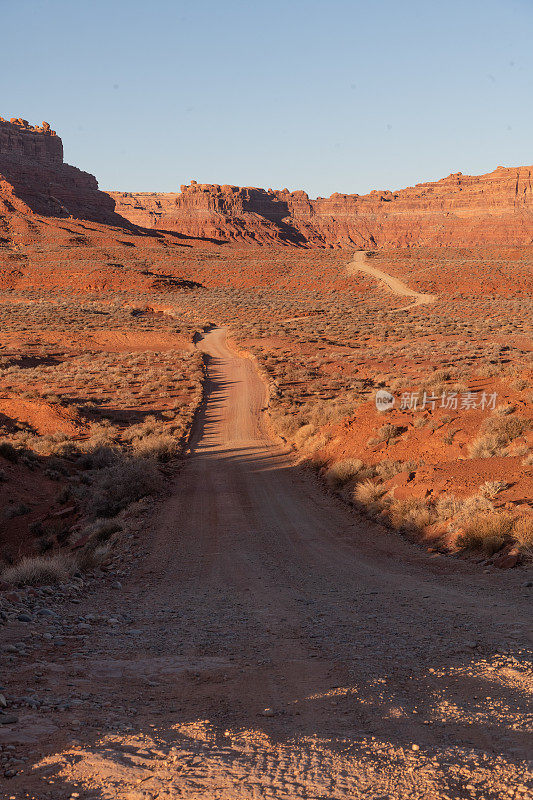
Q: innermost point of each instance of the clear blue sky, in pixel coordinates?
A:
(325, 96)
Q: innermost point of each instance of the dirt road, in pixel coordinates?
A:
(361, 263)
(268, 643)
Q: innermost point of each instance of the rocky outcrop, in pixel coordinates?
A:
(22, 142)
(460, 210)
(31, 164)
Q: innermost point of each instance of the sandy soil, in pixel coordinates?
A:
(361, 263)
(268, 643)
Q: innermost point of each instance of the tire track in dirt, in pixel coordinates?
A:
(360, 263)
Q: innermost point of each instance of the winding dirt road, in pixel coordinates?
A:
(268, 643)
(360, 263)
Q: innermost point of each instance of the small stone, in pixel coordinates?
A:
(507, 560)
(3, 701)
(24, 618)
(267, 712)
(8, 719)
(415, 747)
(116, 585)
(10, 648)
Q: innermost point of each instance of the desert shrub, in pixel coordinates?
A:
(475, 504)
(99, 456)
(496, 433)
(447, 506)
(507, 426)
(161, 446)
(370, 496)
(487, 532)
(101, 530)
(388, 469)
(523, 533)
(36, 570)
(343, 471)
(484, 446)
(8, 452)
(388, 432)
(314, 443)
(492, 488)
(114, 487)
(16, 510)
(411, 514)
(303, 433)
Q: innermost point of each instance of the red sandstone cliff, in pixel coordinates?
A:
(459, 210)
(31, 164)
(496, 208)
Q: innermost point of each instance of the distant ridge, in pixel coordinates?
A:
(460, 210)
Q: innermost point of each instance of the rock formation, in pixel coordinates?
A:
(31, 164)
(22, 142)
(460, 210)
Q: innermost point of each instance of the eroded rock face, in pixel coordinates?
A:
(459, 210)
(496, 208)
(31, 163)
(23, 142)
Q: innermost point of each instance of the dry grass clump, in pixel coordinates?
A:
(344, 471)
(387, 432)
(111, 489)
(412, 514)
(370, 496)
(487, 532)
(160, 446)
(474, 505)
(523, 533)
(303, 434)
(492, 488)
(8, 452)
(388, 469)
(496, 433)
(39, 570)
(101, 530)
(448, 506)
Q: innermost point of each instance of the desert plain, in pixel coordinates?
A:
(226, 571)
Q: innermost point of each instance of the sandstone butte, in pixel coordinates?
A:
(34, 177)
(460, 210)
